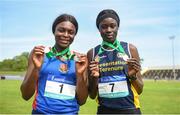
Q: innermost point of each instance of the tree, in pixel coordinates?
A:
(18, 63)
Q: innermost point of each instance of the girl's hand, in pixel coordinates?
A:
(38, 56)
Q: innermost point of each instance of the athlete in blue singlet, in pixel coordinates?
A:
(114, 70)
(57, 76)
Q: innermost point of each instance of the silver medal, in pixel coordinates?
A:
(76, 58)
(46, 49)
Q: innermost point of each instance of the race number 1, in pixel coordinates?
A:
(59, 90)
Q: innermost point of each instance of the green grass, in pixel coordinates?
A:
(10, 98)
(159, 97)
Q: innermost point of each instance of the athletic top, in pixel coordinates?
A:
(55, 89)
(114, 88)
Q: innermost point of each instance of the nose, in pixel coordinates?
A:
(109, 29)
(65, 34)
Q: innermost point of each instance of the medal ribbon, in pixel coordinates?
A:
(116, 45)
(55, 53)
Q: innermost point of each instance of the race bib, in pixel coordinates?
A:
(113, 89)
(58, 90)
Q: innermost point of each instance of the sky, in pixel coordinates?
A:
(147, 24)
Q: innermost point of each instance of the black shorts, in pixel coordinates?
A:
(106, 110)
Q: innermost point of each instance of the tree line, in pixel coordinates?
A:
(18, 63)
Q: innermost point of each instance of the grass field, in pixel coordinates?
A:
(161, 97)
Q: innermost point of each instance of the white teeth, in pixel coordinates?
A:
(46, 49)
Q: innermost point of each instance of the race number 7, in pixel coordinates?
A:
(112, 88)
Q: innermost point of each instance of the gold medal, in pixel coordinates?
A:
(96, 59)
(63, 68)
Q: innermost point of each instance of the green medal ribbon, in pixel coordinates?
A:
(50, 54)
(55, 53)
(116, 45)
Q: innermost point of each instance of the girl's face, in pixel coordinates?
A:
(64, 34)
(108, 29)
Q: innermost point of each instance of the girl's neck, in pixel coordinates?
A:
(58, 48)
(106, 47)
(114, 43)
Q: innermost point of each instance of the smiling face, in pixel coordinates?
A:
(108, 29)
(64, 34)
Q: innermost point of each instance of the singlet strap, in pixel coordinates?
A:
(126, 48)
(95, 51)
